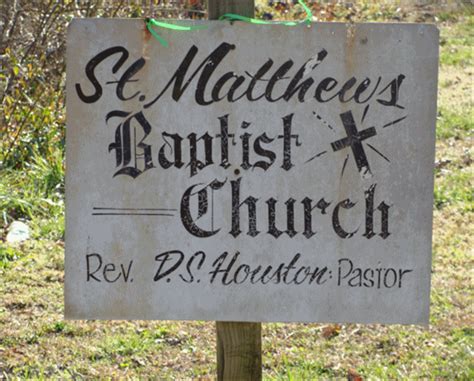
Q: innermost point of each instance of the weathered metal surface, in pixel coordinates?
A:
(250, 173)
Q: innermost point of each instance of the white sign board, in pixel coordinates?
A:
(250, 173)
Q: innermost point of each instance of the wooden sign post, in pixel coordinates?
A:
(239, 344)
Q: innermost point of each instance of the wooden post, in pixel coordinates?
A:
(239, 351)
(217, 8)
(239, 345)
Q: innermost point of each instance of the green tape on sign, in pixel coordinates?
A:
(150, 23)
(234, 17)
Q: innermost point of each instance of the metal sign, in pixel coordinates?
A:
(250, 173)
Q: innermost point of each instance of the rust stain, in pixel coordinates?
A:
(350, 46)
(146, 36)
(346, 183)
(146, 32)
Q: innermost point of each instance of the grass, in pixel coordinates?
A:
(35, 341)
(452, 124)
(455, 188)
(456, 42)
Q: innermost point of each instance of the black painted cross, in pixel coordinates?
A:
(354, 140)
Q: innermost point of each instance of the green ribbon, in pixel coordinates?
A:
(150, 23)
(235, 17)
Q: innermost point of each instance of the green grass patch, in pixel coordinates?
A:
(457, 43)
(303, 370)
(452, 124)
(456, 55)
(8, 254)
(455, 187)
(35, 193)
